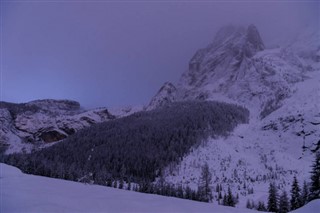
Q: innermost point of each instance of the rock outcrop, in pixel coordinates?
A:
(165, 95)
(44, 121)
(237, 67)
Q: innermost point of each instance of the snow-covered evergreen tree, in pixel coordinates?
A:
(188, 193)
(261, 206)
(115, 184)
(121, 183)
(273, 198)
(230, 198)
(249, 205)
(315, 179)
(204, 188)
(224, 201)
(295, 194)
(284, 203)
(305, 193)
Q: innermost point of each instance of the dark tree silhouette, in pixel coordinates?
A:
(305, 194)
(295, 201)
(315, 179)
(261, 207)
(284, 203)
(273, 198)
(230, 198)
(204, 188)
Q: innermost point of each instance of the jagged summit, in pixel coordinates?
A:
(237, 67)
(166, 94)
(253, 38)
(239, 35)
(230, 51)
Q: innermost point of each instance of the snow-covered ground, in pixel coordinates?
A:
(28, 193)
(262, 151)
(313, 206)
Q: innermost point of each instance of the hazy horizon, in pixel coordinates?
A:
(120, 53)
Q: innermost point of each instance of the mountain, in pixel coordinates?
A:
(237, 67)
(29, 125)
(281, 89)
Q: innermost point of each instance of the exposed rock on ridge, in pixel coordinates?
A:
(237, 67)
(165, 95)
(23, 125)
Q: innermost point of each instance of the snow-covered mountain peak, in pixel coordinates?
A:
(254, 39)
(237, 66)
(166, 94)
(239, 39)
(226, 59)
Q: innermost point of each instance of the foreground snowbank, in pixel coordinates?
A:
(28, 193)
(312, 207)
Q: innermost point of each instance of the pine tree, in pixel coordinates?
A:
(273, 198)
(219, 196)
(284, 203)
(295, 194)
(135, 188)
(261, 207)
(195, 195)
(115, 184)
(109, 182)
(121, 183)
(217, 188)
(224, 201)
(237, 198)
(188, 193)
(179, 192)
(248, 205)
(204, 189)
(304, 194)
(230, 198)
(315, 179)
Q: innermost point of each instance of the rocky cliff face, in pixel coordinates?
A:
(44, 121)
(237, 67)
(165, 95)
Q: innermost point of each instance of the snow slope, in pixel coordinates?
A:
(28, 193)
(260, 152)
(313, 206)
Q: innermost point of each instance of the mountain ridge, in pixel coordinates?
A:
(237, 66)
(26, 126)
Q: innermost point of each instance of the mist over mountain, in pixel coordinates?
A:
(237, 66)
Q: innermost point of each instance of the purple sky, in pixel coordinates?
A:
(106, 53)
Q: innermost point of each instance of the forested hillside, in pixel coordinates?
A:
(134, 148)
